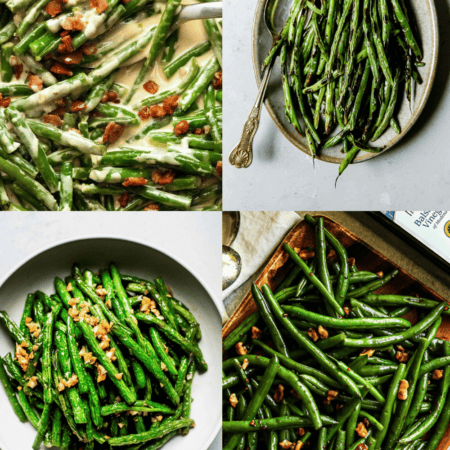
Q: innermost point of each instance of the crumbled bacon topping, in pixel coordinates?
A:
(403, 390)
(182, 127)
(53, 119)
(401, 355)
(134, 181)
(312, 333)
(163, 176)
(219, 169)
(361, 430)
(233, 400)
(54, 7)
(240, 349)
(61, 69)
(170, 104)
(18, 69)
(35, 83)
(124, 199)
(286, 444)
(199, 131)
(109, 96)
(279, 393)
(217, 81)
(323, 333)
(66, 44)
(245, 363)
(99, 5)
(152, 207)
(368, 351)
(256, 333)
(73, 23)
(88, 48)
(113, 131)
(4, 102)
(151, 87)
(78, 105)
(73, 57)
(437, 374)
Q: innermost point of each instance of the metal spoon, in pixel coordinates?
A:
(211, 10)
(242, 155)
(231, 266)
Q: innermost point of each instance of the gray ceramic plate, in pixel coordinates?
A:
(425, 14)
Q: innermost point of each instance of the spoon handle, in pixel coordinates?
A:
(242, 155)
(210, 10)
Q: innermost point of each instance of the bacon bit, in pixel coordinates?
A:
(134, 181)
(163, 176)
(323, 333)
(347, 309)
(312, 333)
(53, 119)
(295, 394)
(306, 254)
(99, 5)
(110, 96)
(66, 44)
(152, 207)
(361, 430)
(151, 87)
(101, 373)
(217, 81)
(299, 445)
(199, 131)
(331, 395)
(64, 33)
(119, 376)
(301, 431)
(73, 57)
(279, 393)
(437, 374)
(402, 356)
(362, 447)
(124, 199)
(73, 23)
(4, 102)
(240, 349)
(256, 333)
(69, 287)
(35, 83)
(286, 444)
(181, 127)
(368, 351)
(54, 7)
(219, 169)
(61, 69)
(170, 104)
(33, 382)
(154, 112)
(88, 48)
(403, 390)
(245, 364)
(233, 400)
(143, 113)
(380, 273)
(113, 131)
(18, 69)
(78, 105)
(351, 261)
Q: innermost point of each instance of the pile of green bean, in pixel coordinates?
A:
(349, 61)
(131, 382)
(327, 362)
(69, 165)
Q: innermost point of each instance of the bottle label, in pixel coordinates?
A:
(432, 228)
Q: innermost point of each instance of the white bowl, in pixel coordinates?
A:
(134, 258)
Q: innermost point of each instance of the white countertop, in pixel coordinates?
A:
(412, 175)
(194, 238)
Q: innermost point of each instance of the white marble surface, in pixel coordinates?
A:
(194, 238)
(411, 175)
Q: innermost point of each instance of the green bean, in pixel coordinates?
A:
(196, 51)
(10, 393)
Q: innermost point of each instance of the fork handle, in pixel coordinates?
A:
(242, 155)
